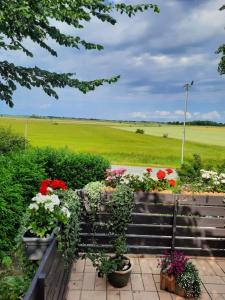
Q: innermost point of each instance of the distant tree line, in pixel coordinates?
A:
(198, 123)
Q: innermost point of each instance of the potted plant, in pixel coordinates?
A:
(44, 214)
(179, 276)
(117, 268)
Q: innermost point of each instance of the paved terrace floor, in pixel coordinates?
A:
(84, 283)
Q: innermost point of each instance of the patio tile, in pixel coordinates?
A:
(145, 296)
(212, 279)
(145, 266)
(216, 268)
(165, 296)
(136, 282)
(75, 285)
(126, 295)
(89, 267)
(205, 296)
(217, 296)
(113, 295)
(156, 277)
(175, 297)
(100, 283)
(76, 276)
(215, 288)
(73, 295)
(89, 281)
(221, 263)
(93, 295)
(149, 284)
(136, 266)
(79, 266)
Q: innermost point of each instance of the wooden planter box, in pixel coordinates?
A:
(168, 283)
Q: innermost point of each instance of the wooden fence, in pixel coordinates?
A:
(192, 224)
(50, 281)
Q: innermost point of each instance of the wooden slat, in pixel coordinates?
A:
(156, 198)
(142, 207)
(201, 210)
(200, 221)
(200, 242)
(201, 200)
(131, 239)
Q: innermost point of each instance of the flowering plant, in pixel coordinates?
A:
(114, 177)
(147, 182)
(48, 185)
(46, 210)
(173, 263)
(212, 181)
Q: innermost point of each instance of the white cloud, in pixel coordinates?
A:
(138, 115)
(211, 115)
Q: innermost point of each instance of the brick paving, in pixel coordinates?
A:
(84, 284)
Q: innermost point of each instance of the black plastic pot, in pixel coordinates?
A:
(120, 279)
(35, 247)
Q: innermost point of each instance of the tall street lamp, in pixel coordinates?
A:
(186, 88)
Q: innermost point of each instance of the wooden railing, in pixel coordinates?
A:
(192, 224)
(50, 281)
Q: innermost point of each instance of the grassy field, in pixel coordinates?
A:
(200, 134)
(116, 144)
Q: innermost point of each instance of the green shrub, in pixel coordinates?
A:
(10, 141)
(76, 169)
(140, 131)
(11, 287)
(190, 171)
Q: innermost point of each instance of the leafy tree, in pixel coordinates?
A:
(31, 19)
(221, 50)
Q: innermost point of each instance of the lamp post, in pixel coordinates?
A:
(186, 88)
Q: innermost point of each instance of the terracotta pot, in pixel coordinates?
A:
(167, 282)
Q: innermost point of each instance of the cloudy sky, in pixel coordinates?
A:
(155, 54)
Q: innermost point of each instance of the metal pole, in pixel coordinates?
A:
(186, 86)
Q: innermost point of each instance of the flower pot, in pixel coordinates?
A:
(120, 279)
(35, 247)
(167, 282)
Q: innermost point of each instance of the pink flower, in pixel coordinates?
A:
(109, 178)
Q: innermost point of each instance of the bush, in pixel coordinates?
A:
(21, 175)
(165, 135)
(76, 169)
(11, 287)
(10, 141)
(140, 131)
(19, 181)
(190, 171)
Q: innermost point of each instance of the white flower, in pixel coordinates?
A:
(33, 206)
(65, 211)
(49, 189)
(222, 181)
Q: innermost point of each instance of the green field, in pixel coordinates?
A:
(116, 144)
(200, 134)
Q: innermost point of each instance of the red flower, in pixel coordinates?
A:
(161, 174)
(43, 190)
(172, 182)
(169, 171)
(149, 170)
(59, 184)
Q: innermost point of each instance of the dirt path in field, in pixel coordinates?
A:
(140, 170)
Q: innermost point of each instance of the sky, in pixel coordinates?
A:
(155, 54)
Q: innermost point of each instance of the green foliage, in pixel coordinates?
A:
(68, 237)
(140, 131)
(36, 22)
(75, 169)
(10, 141)
(189, 280)
(94, 193)
(11, 287)
(190, 171)
(221, 50)
(120, 206)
